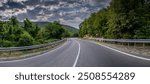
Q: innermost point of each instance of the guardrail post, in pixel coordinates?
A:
(122, 43)
(12, 50)
(9, 52)
(143, 45)
(128, 44)
(134, 45)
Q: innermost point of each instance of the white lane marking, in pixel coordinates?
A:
(28, 58)
(77, 57)
(130, 55)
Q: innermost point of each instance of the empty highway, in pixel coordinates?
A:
(80, 53)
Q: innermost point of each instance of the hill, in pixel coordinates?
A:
(69, 28)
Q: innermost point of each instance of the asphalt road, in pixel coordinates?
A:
(80, 53)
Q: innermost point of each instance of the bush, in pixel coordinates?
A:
(26, 40)
(13, 34)
(75, 35)
(6, 43)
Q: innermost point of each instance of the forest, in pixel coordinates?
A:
(122, 19)
(13, 34)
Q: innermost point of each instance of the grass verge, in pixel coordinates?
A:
(137, 50)
(26, 53)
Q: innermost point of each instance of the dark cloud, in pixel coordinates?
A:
(44, 2)
(70, 12)
(12, 5)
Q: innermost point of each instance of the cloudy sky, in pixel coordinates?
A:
(69, 12)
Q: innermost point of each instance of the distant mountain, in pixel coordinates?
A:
(69, 28)
(41, 24)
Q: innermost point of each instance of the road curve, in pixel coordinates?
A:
(79, 53)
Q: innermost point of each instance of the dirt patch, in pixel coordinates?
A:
(138, 49)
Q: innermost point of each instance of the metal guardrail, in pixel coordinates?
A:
(122, 41)
(9, 49)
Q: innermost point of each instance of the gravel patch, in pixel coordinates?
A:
(138, 49)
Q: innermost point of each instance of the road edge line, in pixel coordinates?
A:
(28, 58)
(130, 55)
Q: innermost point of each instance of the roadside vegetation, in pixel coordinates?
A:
(122, 19)
(13, 34)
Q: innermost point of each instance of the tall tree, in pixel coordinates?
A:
(122, 19)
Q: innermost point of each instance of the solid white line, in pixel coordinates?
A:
(18, 60)
(134, 56)
(77, 57)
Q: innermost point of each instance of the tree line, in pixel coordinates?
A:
(13, 34)
(122, 19)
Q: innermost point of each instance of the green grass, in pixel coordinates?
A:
(26, 53)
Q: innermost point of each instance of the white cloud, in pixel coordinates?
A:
(12, 12)
(44, 17)
(53, 7)
(73, 22)
(41, 12)
(34, 20)
(1, 4)
(62, 13)
(83, 9)
(30, 7)
(68, 13)
(3, 1)
(18, 0)
(78, 19)
(20, 11)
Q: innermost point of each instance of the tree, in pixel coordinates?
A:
(66, 33)
(14, 21)
(13, 34)
(126, 19)
(75, 35)
(55, 30)
(26, 39)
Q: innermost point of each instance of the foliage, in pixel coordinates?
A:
(54, 30)
(119, 20)
(75, 35)
(13, 34)
(25, 39)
